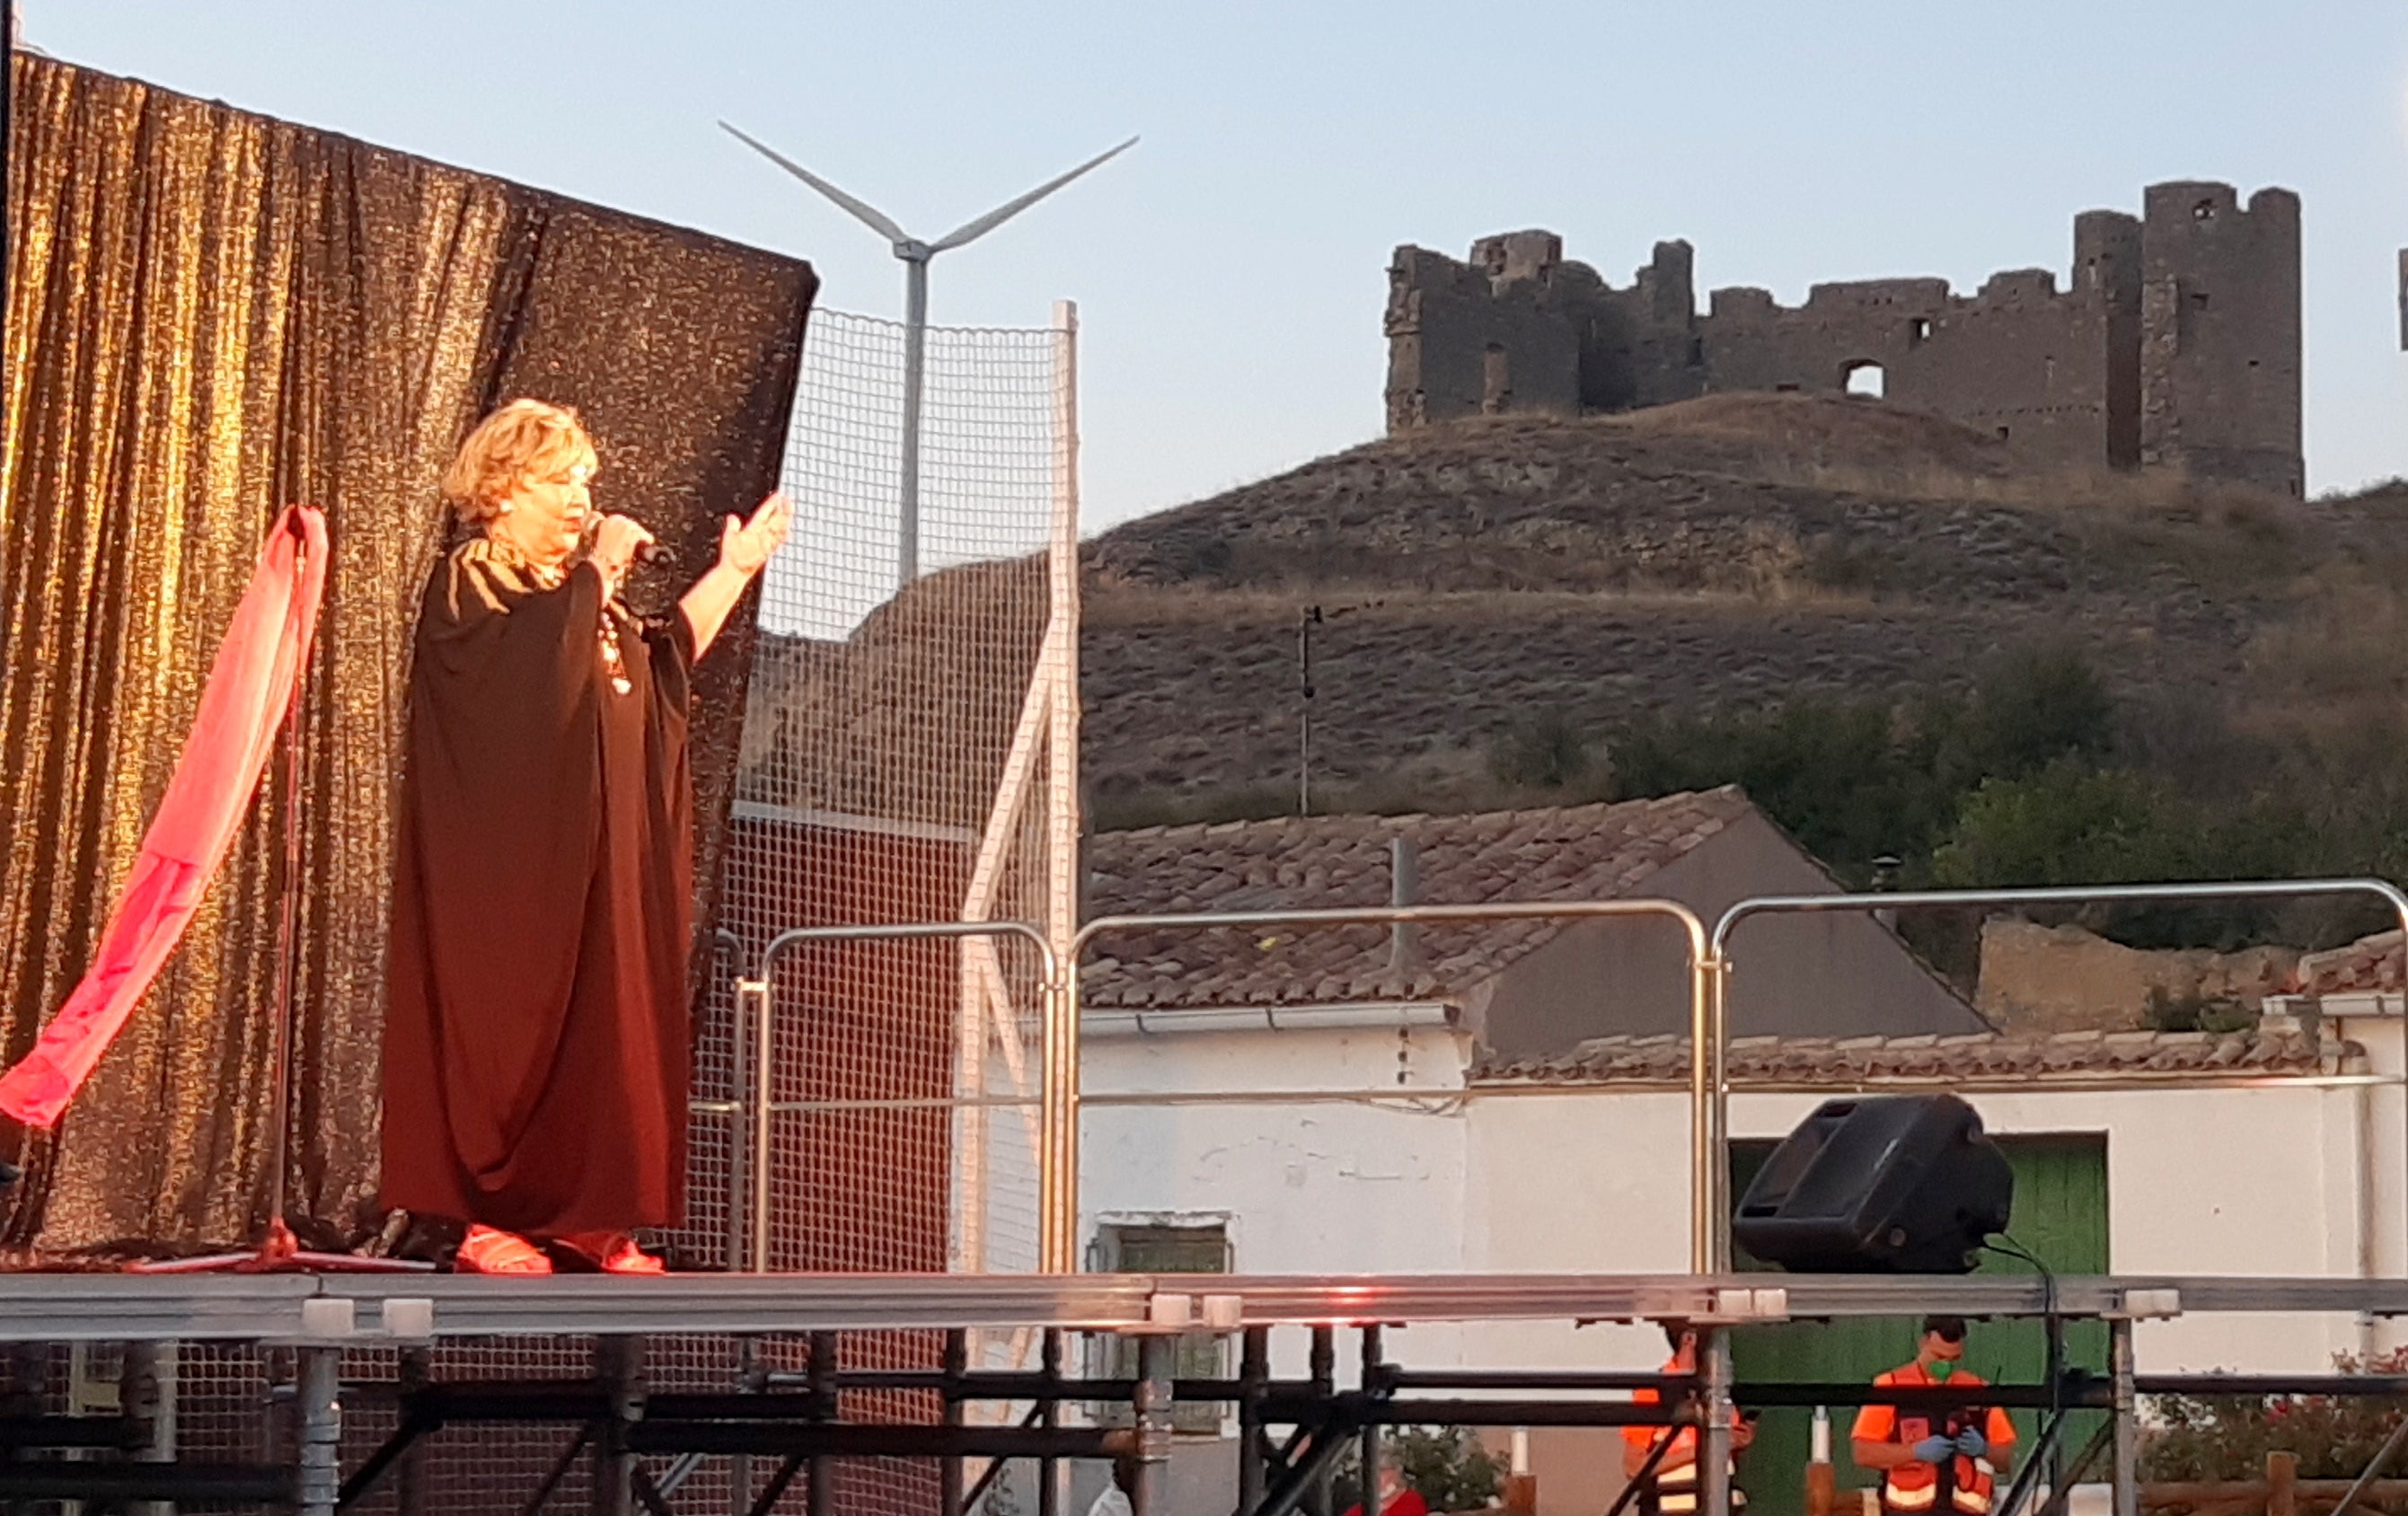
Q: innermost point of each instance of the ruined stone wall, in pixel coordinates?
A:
(1462, 342)
(2220, 334)
(2018, 358)
(2054, 374)
(1642, 346)
(2176, 340)
(2039, 980)
(1519, 328)
(2024, 362)
(1754, 343)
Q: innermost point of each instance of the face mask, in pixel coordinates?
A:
(1941, 1369)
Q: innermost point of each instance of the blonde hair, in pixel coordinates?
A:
(523, 439)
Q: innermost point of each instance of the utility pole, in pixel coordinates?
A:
(1305, 621)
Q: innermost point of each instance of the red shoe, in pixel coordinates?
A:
(612, 1253)
(485, 1250)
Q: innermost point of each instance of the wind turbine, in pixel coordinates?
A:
(916, 255)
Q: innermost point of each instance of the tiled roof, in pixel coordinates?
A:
(2371, 962)
(1566, 853)
(1941, 1060)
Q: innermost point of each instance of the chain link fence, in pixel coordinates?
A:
(890, 758)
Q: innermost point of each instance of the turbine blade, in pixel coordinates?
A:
(870, 215)
(973, 231)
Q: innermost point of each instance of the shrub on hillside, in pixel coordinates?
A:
(1545, 751)
(2067, 825)
(1857, 780)
(2031, 710)
(1847, 779)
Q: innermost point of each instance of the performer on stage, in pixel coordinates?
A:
(537, 1051)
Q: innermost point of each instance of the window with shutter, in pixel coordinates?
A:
(1199, 1248)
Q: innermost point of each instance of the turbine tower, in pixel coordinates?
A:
(916, 255)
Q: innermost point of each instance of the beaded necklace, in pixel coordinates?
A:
(552, 577)
(612, 662)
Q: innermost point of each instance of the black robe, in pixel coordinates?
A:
(536, 1054)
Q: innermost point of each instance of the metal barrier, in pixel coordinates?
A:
(1058, 1101)
(1710, 1209)
(764, 1025)
(1708, 1015)
(1704, 973)
(1709, 1206)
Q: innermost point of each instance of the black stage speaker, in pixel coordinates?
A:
(1879, 1184)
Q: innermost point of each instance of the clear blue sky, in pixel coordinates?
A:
(1230, 271)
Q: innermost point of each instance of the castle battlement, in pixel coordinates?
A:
(2175, 340)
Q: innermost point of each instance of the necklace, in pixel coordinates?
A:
(613, 661)
(552, 577)
(501, 550)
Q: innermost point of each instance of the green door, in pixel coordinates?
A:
(2060, 1216)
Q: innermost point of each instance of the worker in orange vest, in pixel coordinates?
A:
(1935, 1463)
(1673, 1487)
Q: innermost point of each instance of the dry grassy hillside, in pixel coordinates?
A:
(1863, 615)
(1731, 553)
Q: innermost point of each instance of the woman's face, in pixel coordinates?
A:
(549, 510)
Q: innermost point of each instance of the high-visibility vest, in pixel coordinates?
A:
(1914, 1487)
(1676, 1491)
(1673, 1490)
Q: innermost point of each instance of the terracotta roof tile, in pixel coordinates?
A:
(2371, 962)
(1569, 853)
(2070, 1055)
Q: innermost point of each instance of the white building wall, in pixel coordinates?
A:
(2258, 1182)
(2299, 1180)
(1306, 1185)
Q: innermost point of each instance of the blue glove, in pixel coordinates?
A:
(1933, 1448)
(1972, 1443)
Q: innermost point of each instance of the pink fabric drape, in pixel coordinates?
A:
(244, 703)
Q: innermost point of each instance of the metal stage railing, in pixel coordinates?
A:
(1709, 959)
(1058, 1149)
(328, 1323)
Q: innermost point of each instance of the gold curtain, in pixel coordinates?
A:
(210, 315)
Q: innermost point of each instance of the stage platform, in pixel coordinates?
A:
(405, 1348)
(303, 1307)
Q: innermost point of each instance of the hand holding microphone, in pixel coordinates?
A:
(619, 542)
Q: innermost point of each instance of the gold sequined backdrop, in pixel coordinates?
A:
(212, 314)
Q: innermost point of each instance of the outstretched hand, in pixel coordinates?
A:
(746, 546)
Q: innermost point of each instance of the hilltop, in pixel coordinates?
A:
(1898, 640)
(1731, 552)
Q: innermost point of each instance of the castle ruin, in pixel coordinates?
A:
(2176, 345)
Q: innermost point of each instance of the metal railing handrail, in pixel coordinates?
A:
(1708, 954)
(765, 1025)
(1062, 1071)
(1708, 1207)
(2066, 895)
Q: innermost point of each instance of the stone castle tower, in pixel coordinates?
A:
(2176, 343)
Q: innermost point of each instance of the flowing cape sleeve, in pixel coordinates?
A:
(501, 823)
(669, 652)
